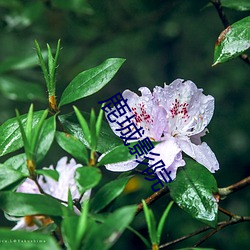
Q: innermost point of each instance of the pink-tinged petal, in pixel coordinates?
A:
(171, 155)
(201, 153)
(148, 114)
(21, 225)
(189, 110)
(29, 187)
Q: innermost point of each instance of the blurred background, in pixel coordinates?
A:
(161, 41)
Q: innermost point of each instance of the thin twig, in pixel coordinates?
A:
(224, 211)
(42, 192)
(223, 192)
(185, 237)
(235, 220)
(151, 199)
(226, 23)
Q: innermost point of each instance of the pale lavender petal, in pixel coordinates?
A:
(201, 153)
(148, 114)
(29, 187)
(170, 153)
(189, 110)
(59, 189)
(196, 139)
(122, 166)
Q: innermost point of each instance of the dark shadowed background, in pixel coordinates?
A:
(161, 41)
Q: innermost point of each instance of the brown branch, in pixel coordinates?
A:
(185, 237)
(235, 220)
(151, 199)
(224, 211)
(223, 192)
(226, 23)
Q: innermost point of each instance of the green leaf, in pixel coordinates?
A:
(117, 154)
(233, 41)
(16, 240)
(19, 63)
(37, 132)
(69, 230)
(18, 162)
(20, 204)
(193, 191)
(151, 223)
(19, 90)
(74, 228)
(10, 136)
(92, 126)
(241, 5)
(162, 221)
(84, 125)
(99, 123)
(107, 139)
(82, 223)
(53, 174)
(8, 176)
(108, 193)
(43, 65)
(87, 177)
(73, 146)
(90, 81)
(105, 235)
(46, 137)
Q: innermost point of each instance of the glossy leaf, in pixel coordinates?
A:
(193, 191)
(151, 223)
(117, 154)
(241, 5)
(87, 177)
(107, 138)
(73, 146)
(53, 174)
(46, 137)
(84, 125)
(105, 235)
(108, 193)
(18, 162)
(20, 204)
(233, 41)
(10, 136)
(90, 81)
(19, 90)
(16, 240)
(8, 176)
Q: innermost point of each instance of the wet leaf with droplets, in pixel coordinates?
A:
(233, 41)
(193, 191)
(90, 81)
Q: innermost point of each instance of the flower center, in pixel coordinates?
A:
(141, 115)
(180, 110)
